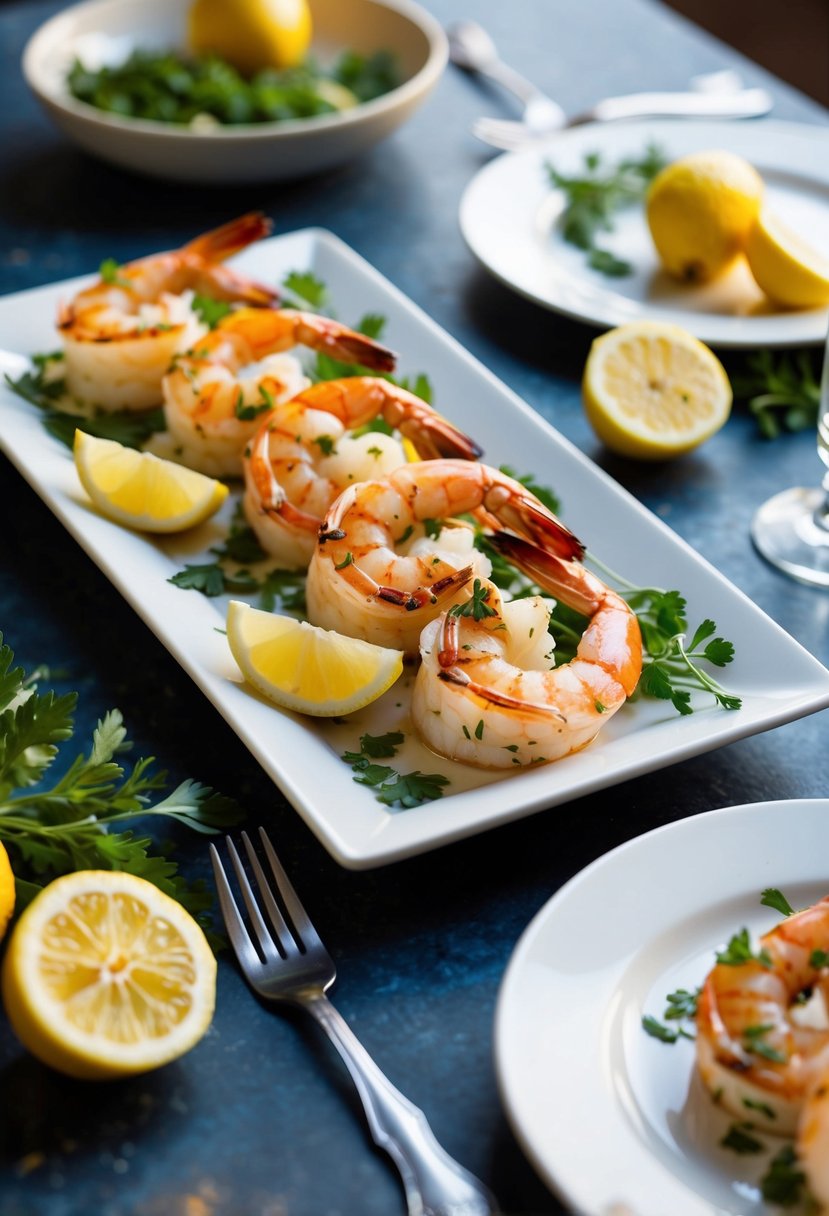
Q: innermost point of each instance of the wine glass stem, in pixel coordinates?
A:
(821, 516)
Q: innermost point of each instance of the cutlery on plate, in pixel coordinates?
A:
(713, 96)
(287, 962)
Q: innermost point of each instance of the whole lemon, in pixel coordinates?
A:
(252, 34)
(700, 210)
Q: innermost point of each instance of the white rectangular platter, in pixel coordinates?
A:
(777, 679)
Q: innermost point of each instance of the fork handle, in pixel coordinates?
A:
(435, 1184)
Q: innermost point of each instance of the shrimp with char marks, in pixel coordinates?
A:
(384, 566)
(487, 695)
(302, 456)
(754, 1049)
(121, 334)
(214, 406)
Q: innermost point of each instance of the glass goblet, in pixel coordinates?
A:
(791, 530)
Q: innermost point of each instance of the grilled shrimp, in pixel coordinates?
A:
(121, 334)
(302, 456)
(212, 409)
(751, 1048)
(384, 565)
(487, 692)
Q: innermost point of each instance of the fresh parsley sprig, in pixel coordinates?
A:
(781, 391)
(76, 822)
(594, 196)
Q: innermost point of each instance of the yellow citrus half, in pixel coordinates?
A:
(305, 668)
(785, 266)
(699, 211)
(106, 976)
(653, 391)
(141, 490)
(6, 891)
(252, 34)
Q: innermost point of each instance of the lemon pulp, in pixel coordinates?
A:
(106, 976)
(653, 391)
(305, 668)
(141, 490)
(785, 266)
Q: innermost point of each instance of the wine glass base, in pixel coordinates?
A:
(784, 531)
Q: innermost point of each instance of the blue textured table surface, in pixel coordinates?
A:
(261, 1120)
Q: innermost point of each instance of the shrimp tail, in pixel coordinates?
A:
(508, 505)
(208, 251)
(351, 347)
(561, 575)
(434, 438)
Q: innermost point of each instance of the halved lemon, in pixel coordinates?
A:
(141, 490)
(6, 891)
(787, 268)
(106, 976)
(653, 391)
(305, 668)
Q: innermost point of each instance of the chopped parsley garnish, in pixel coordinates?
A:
(762, 1108)
(348, 560)
(210, 311)
(665, 1034)
(739, 951)
(110, 271)
(783, 1183)
(772, 898)
(753, 1037)
(311, 290)
(739, 1139)
(680, 1006)
(390, 787)
(477, 606)
(819, 959)
(176, 88)
(325, 443)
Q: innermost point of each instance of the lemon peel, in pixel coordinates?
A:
(306, 668)
(105, 976)
(699, 210)
(142, 490)
(786, 267)
(252, 34)
(7, 892)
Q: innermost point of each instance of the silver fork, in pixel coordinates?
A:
(283, 959)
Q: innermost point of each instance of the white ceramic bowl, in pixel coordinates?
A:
(106, 31)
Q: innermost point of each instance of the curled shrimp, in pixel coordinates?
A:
(487, 692)
(302, 456)
(812, 1142)
(384, 566)
(121, 334)
(752, 1051)
(213, 410)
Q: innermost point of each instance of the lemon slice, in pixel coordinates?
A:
(788, 270)
(252, 34)
(305, 668)
(141, 490)
(6, 891)
(653, 391)
(106, 976)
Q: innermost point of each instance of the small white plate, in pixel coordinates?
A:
(776, 677)
(615, 1121)
(510, 214)
(105, 32)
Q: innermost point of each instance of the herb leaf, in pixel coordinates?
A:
(772, 898)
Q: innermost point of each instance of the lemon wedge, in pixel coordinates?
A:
(653, 391)
(6, 892)
(788, 270)
(305, 668)
(699, 210)
(252, 34)
(106, 976)
(141, 490)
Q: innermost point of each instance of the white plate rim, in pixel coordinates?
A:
(358, 832)
(797, 149)
(566, 1174)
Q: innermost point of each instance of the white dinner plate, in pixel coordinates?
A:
(776, 677)
(510, 218)
(615, 1121)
